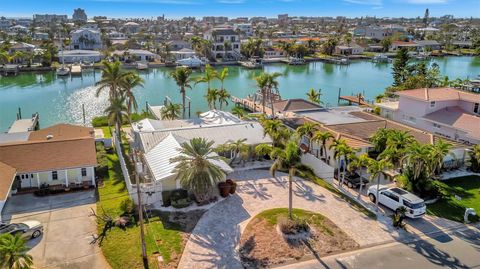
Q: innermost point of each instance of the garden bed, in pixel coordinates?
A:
(262, 245)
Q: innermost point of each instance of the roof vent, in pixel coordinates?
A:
(50, 136)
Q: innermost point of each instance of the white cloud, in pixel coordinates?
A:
(233, 2)
(365, 2)
(174, 2)
(423, 2)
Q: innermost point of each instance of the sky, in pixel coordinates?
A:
(238, 8)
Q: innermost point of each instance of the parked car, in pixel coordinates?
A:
(394, 198)
(28, 229)
(352, 179)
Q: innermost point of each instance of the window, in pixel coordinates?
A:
(84, 172)
(54, 175)
(475, 108)
(438, 126)
(432, 104)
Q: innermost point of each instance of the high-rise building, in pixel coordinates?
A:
(79, 15)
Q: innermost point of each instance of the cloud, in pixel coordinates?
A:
(231, 2)
(423, 2)
(173, 2)
(365, 2)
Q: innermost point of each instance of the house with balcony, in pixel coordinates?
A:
(86, 39)
(59, 158)
(446, 112)
(225, 43)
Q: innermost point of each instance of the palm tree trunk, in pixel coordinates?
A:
(360, 188)
(378, 191)
(290, 198)
(263, 102)
(183, 103)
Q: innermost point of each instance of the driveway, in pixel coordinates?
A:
(214, 241)
(68, 229)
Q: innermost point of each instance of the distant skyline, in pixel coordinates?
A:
(242, 8)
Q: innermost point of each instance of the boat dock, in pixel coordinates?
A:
(250, 105)
(358, 100)
(76, 70)
(25, 125)
(155, 111)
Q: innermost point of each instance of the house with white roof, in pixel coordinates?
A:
(86, 39)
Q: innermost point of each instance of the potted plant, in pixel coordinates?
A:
(224, 189)
(233, 185)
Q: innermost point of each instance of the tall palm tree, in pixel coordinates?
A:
(418, 159)
(338, 146)
(113, 79)
(182, 78)
(323, 138)
(209, 75)
(274, 128)
(13, 252)
(131, 81)
(357, 163)
(307, 129)
(117, 111)
(171, 111)
(438, 153)
(222, 76)
(379, 139)
(375, 169)
(239, 112)
(212, 96)
(237, 147)
(196, 168)
(288, 158)
(267, 83)
(314, 96)
(223, 96)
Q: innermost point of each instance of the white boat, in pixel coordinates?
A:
(381, 58)
(76, 69)
(295, 61)
(190, 62)
(141, 66)
(63, 71)
(253, 63)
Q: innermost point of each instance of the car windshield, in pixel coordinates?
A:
(413, 205)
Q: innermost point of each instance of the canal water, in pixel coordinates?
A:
(59, 99)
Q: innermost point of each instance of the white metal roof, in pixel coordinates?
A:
(158, 158)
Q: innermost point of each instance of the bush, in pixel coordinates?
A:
(100, 121)
(166, 195)
(292, 226)
(127, 205)
(102, 168)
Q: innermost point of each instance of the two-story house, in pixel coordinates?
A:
(447, 112)
(86, 39)
(225, 43)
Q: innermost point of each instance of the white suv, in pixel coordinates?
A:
(394, 198)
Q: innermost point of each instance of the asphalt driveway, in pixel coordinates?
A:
(68, 229)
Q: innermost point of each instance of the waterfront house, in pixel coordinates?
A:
(77, 56)
(131, 55)
(159, 140)
(272, 53)
(354, 49)
(86, 39)
(61, 157)
(176, 45)
(225, 43)
(403, 44)
(21, 47)
(446, 112)
(183, 53)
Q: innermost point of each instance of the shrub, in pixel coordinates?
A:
(102, 168)
(127, 205)
(100, 121)
(292, 226)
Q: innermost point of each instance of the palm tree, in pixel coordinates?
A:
(196, 168)
(322, 137)
(289, 158)
(263, 150)
(223, 96)
(418, 158)
(314, 96)
(182, 78)
(307, 129)
(359, 163)
(222, 76)
(113, 79)
(212, 96)
(338, 146)
(238, 147)
(438, 152)
(267, 83)
(239, 112)
(379, 139)
(210, 75)
(274, 128)
(131, 81)
(13, 252)
(171, 111)
(375, 169)
(117, 111)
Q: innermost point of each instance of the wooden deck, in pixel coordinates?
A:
(354, 100)
(250, 105)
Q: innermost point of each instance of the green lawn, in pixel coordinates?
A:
(468, 188)
(122, 247)
(272, 216)
(107, 133)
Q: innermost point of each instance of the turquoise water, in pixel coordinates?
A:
(61, 99)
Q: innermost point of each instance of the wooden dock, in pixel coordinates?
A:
(250, 105)
(358, 100)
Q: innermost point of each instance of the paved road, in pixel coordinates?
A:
(459, 249)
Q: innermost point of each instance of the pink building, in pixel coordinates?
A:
(446, 112)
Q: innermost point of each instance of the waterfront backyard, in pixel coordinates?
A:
(61, 99)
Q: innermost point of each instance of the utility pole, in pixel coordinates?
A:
(140, 212)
